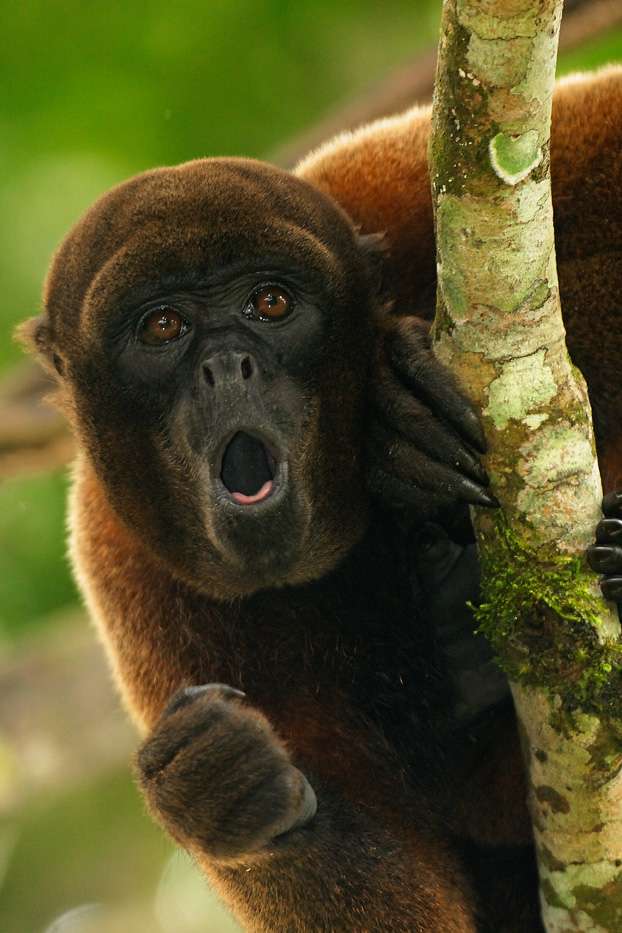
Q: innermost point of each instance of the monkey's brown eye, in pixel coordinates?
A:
(270, 304)
(162, 325)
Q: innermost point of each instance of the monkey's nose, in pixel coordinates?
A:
(232, 367)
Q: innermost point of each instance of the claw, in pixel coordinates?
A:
(188, 695)
(468, 463)
(474, 494)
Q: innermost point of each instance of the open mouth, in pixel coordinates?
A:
(248, 469)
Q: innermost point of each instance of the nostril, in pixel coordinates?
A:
(209, 375)
(247, 368)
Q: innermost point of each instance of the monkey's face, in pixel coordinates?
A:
(211, 328)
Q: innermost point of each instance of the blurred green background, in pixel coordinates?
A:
(91, 93)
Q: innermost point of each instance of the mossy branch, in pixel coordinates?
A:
(499, 328)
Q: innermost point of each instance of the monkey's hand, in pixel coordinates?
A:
(605, 556)
(217, 777)
(423, 434)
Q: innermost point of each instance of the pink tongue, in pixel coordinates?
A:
(246, 500)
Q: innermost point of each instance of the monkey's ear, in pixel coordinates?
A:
(36, 334)
(374, 248)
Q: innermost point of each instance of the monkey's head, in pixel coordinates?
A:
(210, 327)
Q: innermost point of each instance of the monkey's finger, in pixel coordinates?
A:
(612, 504)
(398, 420)
(609, 530)
(409, 353)
(605, 558)
(188, 695)
(611, 588)
(395, 493)
(396, 456)
(422, 484)
(190, 713)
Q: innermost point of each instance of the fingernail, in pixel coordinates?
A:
(486, 498)
(480, 473)
(476, 431)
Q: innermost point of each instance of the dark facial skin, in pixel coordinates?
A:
(235, 385)
(227, 397)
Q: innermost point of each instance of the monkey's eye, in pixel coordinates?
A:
(269, 304)
(161, 325)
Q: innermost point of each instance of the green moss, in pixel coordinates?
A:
(550, 894)
(543, 622)
(602, 905)
(605, 747)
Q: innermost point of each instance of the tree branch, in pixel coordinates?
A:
(499, 327)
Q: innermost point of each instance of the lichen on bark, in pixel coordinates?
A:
(499, 328)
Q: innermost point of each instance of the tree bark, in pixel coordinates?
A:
(499, 328)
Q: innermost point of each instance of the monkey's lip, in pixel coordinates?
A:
(248, 469)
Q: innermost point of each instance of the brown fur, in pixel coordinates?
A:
(364, 867)
(417, 829)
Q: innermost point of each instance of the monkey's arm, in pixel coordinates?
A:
(225, 786)
(225, 776)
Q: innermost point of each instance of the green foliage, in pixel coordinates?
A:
(594, 54)
(34, 573)
(93, 92)
(107, 844)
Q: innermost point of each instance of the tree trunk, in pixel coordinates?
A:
(499, 327)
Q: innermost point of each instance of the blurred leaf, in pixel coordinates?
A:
(34, 572)
(111, 852)
(594, 54)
